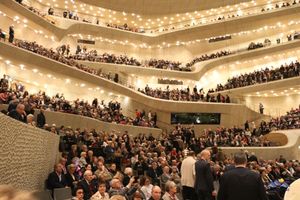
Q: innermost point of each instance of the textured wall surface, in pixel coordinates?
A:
(27, 154)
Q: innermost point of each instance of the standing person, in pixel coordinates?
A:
(11, 34)
(41, 119)
(188, 176)
(241, 183)
(261, 108)
(204, 186)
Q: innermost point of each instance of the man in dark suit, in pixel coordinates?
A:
(153, 173)
(204, 186)
(11, 34)
(88, 185)
(41, 119)
(18, 113)
(241, 183)
(56, 179)
(71, 178)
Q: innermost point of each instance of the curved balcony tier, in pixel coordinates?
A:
(157, 7)
(232, 114)
(200, 69)
(65, 27)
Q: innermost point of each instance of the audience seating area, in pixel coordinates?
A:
(72, 15)
(268, 74)
(105, 155)
(111, 112)
(183, 138)
(184, 95)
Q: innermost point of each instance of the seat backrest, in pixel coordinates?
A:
(43, 195)
(62, 194)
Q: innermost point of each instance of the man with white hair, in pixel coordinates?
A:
(88, 185)
(171, 190)
(116, 188)
(127, 175)
(30, 119)
(19, 113)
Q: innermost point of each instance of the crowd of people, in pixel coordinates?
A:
(184, 94)
(58, 55)
(83, 54)
(291, 120)
(208, 57)
(261, 76)
(22, 105)
(145, 167)
(74, 16)
(101, 165)
(36, 11)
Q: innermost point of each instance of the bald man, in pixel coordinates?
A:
(204, 187)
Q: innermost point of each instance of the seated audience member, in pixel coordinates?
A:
(78, 194)
(146, 188)
(82, 160)
(56, 179)
(88, 185)
(154, 173)
(101, 194)
(165, 177)
(156, 193)
(30, 120)
(116, 188)
(138, 195)
(71, 177)
(63, 163)
(171, 190)
(18, 113)
(127, 175)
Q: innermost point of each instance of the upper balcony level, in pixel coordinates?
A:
(185, 51)
(158, 7)
(150, 35)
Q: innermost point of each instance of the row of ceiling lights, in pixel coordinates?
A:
(163, 20)
(50, 76)
(163, 44)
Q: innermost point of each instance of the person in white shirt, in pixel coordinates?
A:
(101, 194)
(188, 176)
(146, 187)
(82, 160)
